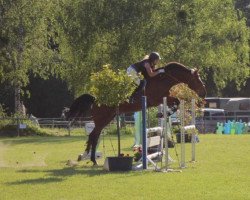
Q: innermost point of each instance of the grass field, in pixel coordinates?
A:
(35, 168)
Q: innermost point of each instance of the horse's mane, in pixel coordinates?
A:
(175, 65)
(170, 69)
(172, 66)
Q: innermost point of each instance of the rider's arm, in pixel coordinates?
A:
(150, 72)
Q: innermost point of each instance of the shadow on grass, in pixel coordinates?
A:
(69, 171)
(36, 181)
(59, 175)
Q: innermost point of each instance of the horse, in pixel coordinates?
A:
(156, 88)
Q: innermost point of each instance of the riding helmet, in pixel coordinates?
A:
(154, 56)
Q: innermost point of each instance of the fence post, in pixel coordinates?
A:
(118, 132)
(68, 128)
(18, 127)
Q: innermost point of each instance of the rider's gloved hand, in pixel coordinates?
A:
(161, 71)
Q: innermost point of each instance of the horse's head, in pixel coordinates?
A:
(178, 73)
(195, 83)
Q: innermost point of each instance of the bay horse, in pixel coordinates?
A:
(156, 88)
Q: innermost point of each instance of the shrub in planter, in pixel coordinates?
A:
(188, 134)
(187, 138)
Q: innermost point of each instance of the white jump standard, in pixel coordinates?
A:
(165, 132)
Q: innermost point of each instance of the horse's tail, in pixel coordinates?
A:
(81, 107)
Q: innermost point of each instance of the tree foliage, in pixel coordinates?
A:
(206, 34)
(73, 39)
(29, 38)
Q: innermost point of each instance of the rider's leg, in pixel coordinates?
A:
(139, 90)
(143, 83)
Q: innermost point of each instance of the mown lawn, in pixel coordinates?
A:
(35, 168)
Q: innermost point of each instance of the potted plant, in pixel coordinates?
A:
(111, 88)
(137, 153)
(188, 135)
(182, 92)
(177, 132)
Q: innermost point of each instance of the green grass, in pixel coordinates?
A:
(35, 168)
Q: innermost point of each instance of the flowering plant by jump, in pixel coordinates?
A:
(137, 153)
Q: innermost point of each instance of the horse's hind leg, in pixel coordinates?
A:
(95, 135)
(91, 145)
(92, 142)
(93, 148)
(101, 116)
(87, 150)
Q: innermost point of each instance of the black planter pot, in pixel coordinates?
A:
(170, 144)
(188, 138)
(119, 163)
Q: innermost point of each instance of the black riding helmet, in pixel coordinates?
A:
(154, 56)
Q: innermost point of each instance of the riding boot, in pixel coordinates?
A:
(139, 90)
(144, 83)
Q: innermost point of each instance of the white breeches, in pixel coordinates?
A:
(132, 72)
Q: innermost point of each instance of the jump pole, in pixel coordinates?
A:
(193, 134)
(165, 133)
(160, 120)
(182, 117)
(166, 129)
(144, 133)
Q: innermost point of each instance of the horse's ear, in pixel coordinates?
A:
(195, 71)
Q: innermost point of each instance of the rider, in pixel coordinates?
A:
(147, 68)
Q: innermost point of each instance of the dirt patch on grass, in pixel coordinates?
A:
(36, 160)
(3, 148)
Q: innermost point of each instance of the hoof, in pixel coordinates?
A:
(82, 156)
(79, 158)
(71, 163)
(95, 164)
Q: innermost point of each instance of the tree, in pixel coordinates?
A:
(205, 34)
(72, 39)
(47, 97)
(244, 6)
(28, 41)
(106, 32)
(209, 36)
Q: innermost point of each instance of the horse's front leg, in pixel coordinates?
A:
(173, 103)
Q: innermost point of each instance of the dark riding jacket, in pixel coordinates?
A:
(140, 68)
